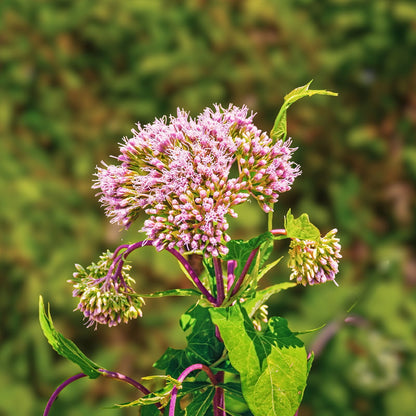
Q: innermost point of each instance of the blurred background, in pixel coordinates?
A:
(74, 78)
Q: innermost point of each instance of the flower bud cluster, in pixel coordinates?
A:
(315, 262)
(105, 298)
(189, 174)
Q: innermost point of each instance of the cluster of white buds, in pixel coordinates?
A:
(314, 262)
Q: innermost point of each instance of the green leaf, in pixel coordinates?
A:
(150, 411)
(301, 227)
(203, 346)
(172, 292)
(201, 405)
(240, 250)
(279, 130)
(234, 390)
(272, 364)
(63, 346)
(253, 304)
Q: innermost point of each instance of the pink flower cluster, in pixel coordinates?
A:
(188, 174)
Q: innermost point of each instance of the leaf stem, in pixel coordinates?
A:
(55, 394)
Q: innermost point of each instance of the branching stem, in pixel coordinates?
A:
(119, 260)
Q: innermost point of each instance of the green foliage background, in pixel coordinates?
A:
(74, 78)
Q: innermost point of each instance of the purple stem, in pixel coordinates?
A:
(127, 379)
(55, 394)
(219, 402)
(231, 265)
(245, 270)
(182, 377)
(220, 281)
(121, 257)
(193, 275)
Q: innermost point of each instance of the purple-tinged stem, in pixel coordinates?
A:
(127, 379)
(245, 270)
(193, 275)
(55, 394)
(220, 281)
(121, 257)
(218, 334)
(279, 231)
(131, 381)
(219, 400)
(231, 265)
(182, 377)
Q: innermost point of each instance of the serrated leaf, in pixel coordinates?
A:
(202, 404)
(272, 364)
(203, 346)
(301, 227)
(279, 130)
(65, 347)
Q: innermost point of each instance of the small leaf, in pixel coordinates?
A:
(301, 227)
(279, 130)
(172, 292)
(65, 347)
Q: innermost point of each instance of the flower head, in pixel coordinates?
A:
(105, 298)
(315, 262)
(189, 174)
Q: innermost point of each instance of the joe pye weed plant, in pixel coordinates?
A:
(187, 175)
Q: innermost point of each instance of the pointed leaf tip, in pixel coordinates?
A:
(63, 346)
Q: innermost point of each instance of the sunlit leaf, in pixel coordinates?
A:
(63, 346)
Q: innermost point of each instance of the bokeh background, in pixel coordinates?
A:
(74, 78)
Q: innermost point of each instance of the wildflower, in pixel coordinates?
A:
(314, 262)
(106, 298)
(189, 174)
